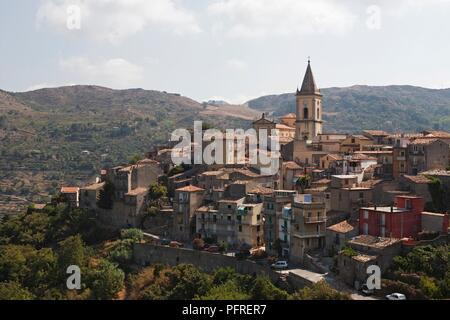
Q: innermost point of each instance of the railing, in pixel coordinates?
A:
(309, 234)
(315, 219)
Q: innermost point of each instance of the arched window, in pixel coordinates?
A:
(318, 113)
(305, 113)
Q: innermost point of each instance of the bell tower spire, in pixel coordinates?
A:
(309, 108)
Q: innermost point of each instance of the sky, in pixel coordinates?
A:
(232, 50)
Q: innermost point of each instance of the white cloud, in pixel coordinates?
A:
(114, 20)
(236, 64)
(260, 18)
(116, 73)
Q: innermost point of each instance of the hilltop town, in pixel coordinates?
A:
(338, 203)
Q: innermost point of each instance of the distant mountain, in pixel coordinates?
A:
(390, 108)
(43, 133)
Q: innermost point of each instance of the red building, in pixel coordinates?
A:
(403, 220)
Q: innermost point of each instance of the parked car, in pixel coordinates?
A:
(366, 291)
(396, 296)
(280, 265)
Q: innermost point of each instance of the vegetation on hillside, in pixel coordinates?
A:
(357, 108)
(423, 273)
(36, 248)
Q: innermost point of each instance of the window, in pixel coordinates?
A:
(366, 214)
(318, 113)
(258, 217)
(258, 228)
(366, 228)
(305, 113)
(240, 228)
(361, 195)
(229, 218)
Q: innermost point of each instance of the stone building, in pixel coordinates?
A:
(337, 237)
(308, 226)
(366, 251)
(186, 202)
(273, 210)
(427, 154)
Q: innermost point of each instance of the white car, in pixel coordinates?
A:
(396, 296)
(280, 265)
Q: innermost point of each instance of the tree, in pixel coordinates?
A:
(122, 253)
(302, 183)
(136, 235)
(429, 287)
(108, 280)
(14, 291)
(320, 291)
(13, 262)
(228, 291)
(223, 275)
(186, 282)
(157, 191)
(264, 289)
(135, 159)
(71, 252)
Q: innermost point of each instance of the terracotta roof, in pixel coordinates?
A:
(322, 181)
(70, 189)
(190, 189)
(420, 179)
(436, 172)
(376, 133)
(291, 165)
(261, 190)
(370, 183)
(374, 242)
(423, 141)
(336, 157)
(342, 227)
(212, 173)
(362, 156)
(94, 186)
(137, 191)
(360, 136)
(283, 127)
(438, 134)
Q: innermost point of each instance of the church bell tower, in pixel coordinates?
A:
(309, 108)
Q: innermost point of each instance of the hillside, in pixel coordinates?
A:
(65, 135)
(51, 137)
(391, 108)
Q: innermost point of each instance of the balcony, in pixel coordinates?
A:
(311, 220)
(305, 235)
